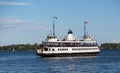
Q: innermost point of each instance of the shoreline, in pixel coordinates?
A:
(28, 47)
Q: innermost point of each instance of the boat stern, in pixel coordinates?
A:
(39, 51)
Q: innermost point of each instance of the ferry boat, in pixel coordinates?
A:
(68, 46)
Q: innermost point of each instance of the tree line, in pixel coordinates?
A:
(35, 46)
(20, 47)
(110, 46)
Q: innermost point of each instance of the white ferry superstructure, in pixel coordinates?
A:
(69, 46)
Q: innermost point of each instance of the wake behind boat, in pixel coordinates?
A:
(68, 46)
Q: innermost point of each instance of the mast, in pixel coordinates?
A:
(84, 30)
(54, 25)
(85, 35)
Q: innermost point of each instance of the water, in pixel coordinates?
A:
(108, 61)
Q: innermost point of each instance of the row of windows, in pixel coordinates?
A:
(78, 49)
(62, 49)
(69, 44)
(66, 49)
(84, 45)
(84, 48)
(46, 49)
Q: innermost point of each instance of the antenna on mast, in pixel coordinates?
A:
(54, 25)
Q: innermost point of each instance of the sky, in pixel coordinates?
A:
(30, 21)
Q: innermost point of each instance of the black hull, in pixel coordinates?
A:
(69, 54)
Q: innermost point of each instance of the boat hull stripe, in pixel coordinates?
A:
(68, 54)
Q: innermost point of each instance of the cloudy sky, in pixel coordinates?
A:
(30, 21)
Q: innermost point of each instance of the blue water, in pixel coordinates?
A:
(108, 61)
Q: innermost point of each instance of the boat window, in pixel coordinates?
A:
(46, 49)
(53, 49)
